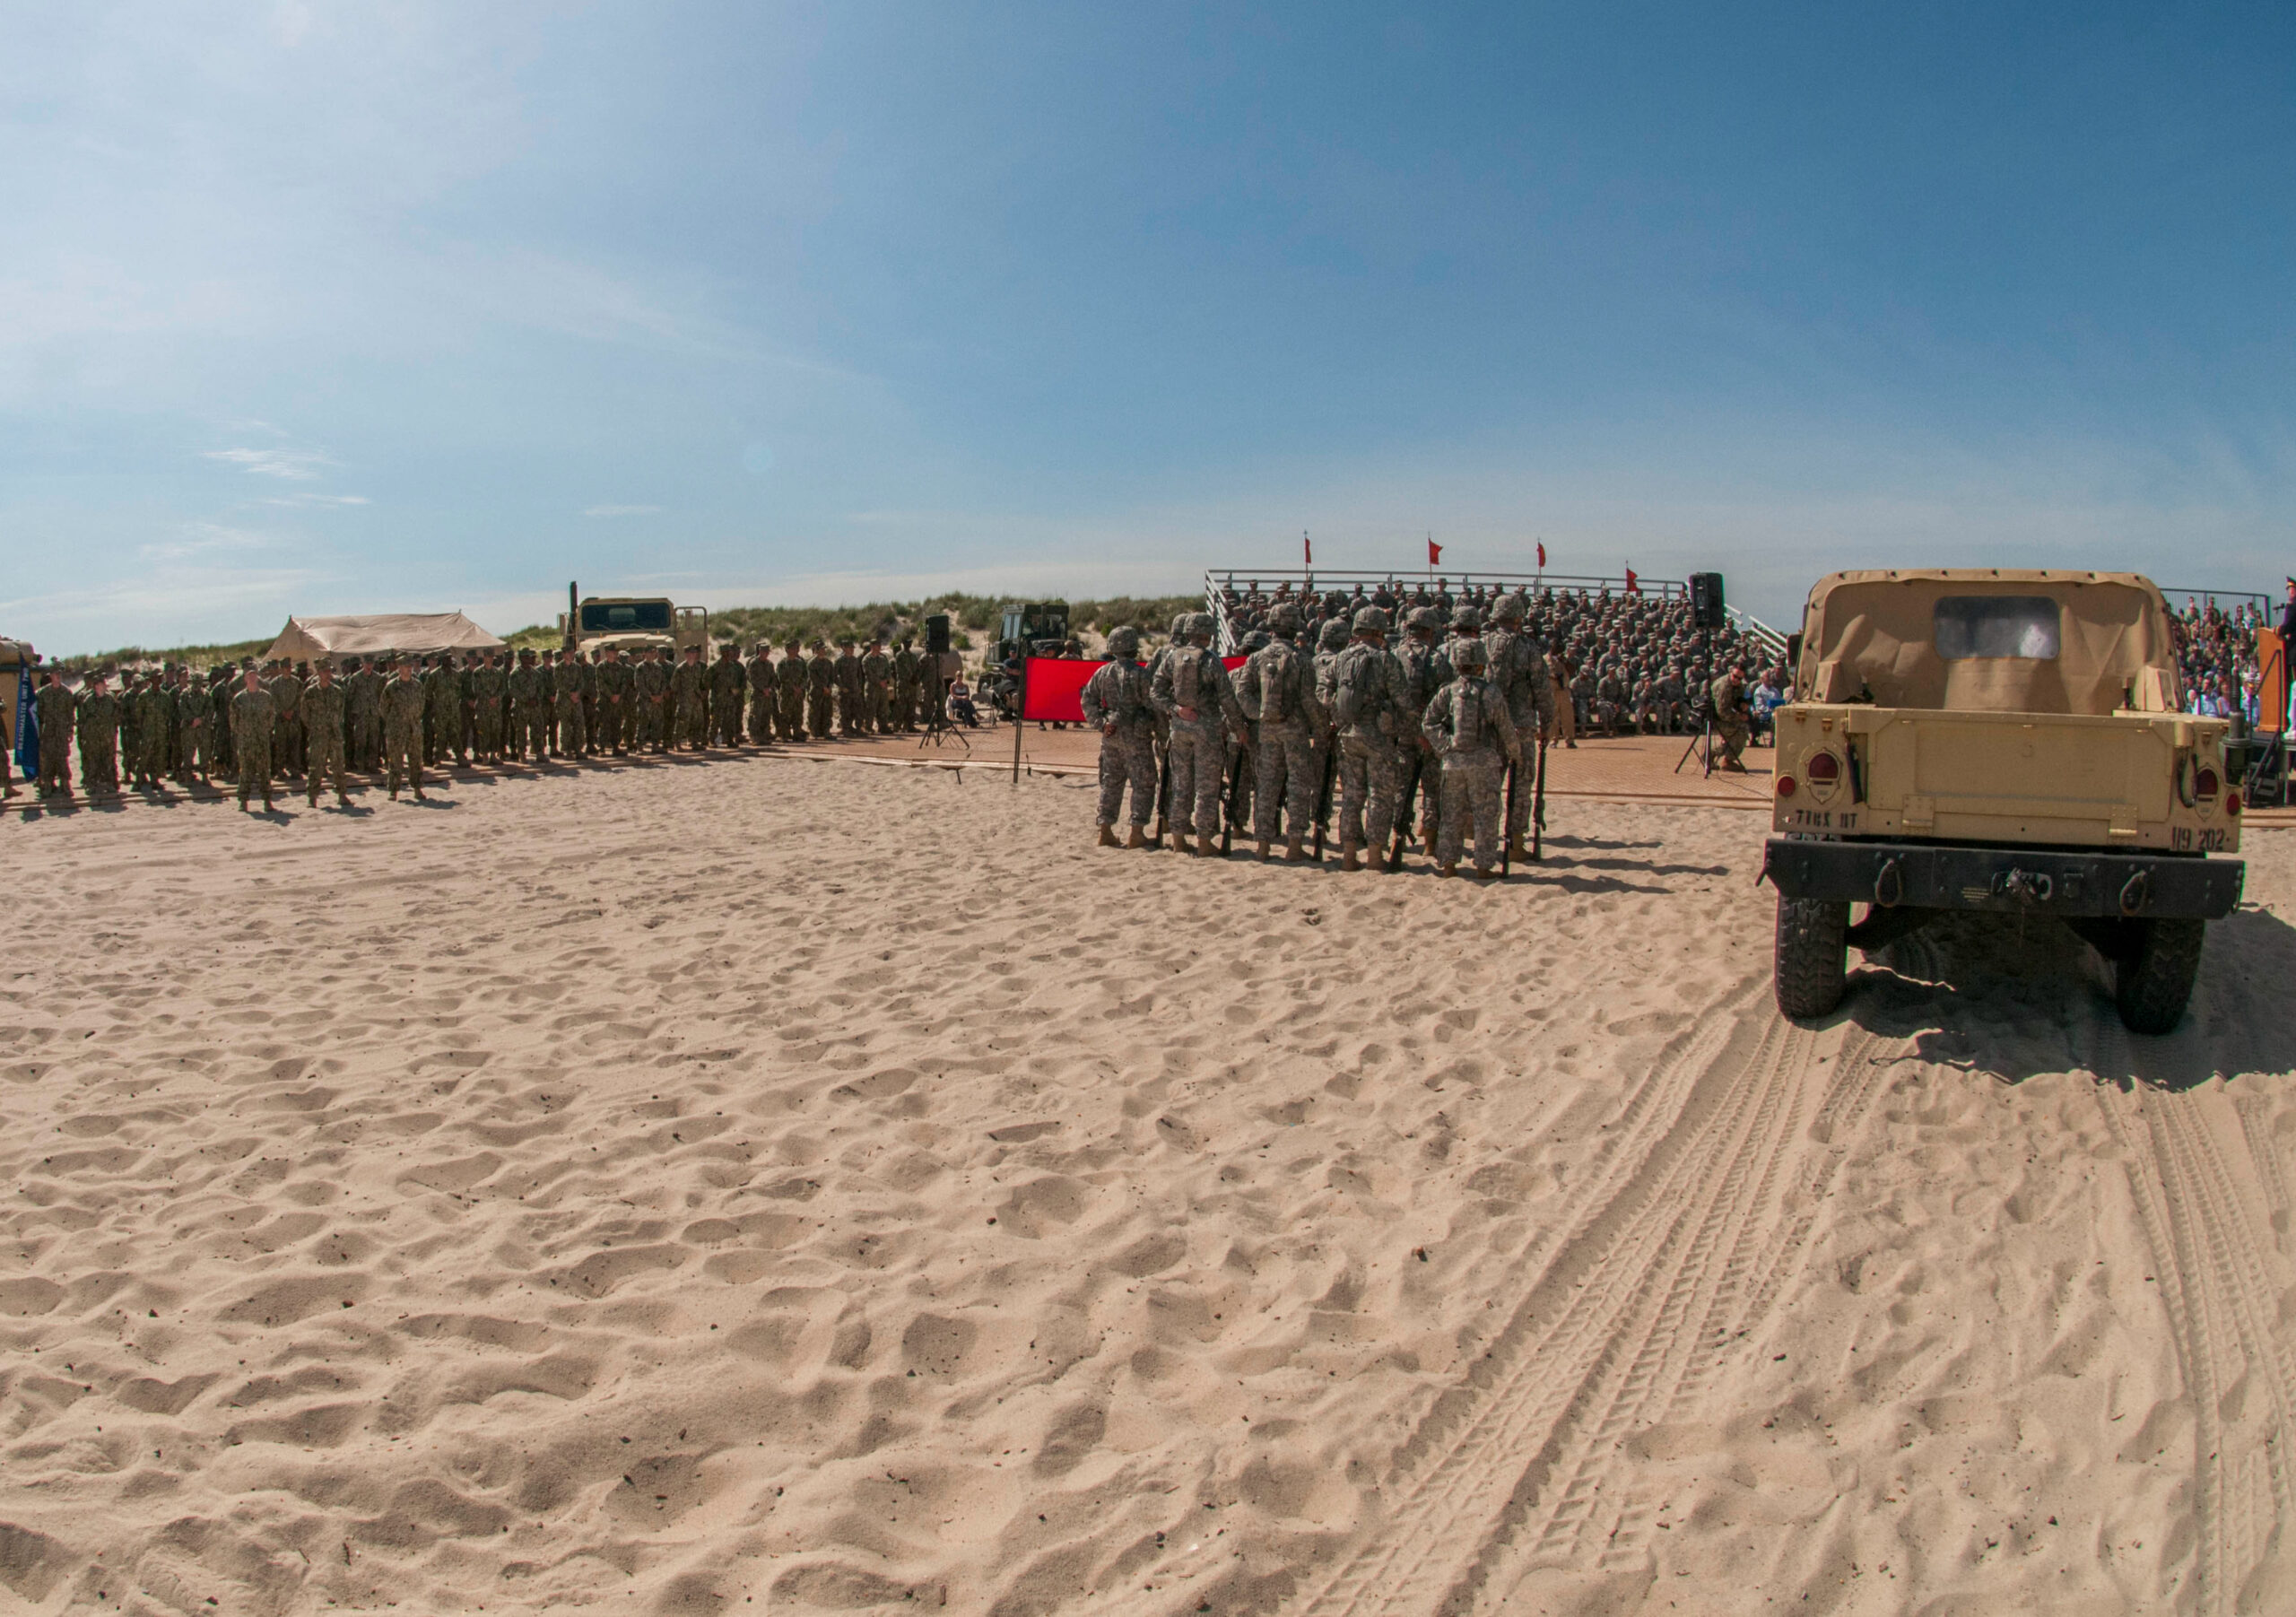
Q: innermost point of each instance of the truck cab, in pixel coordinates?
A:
(2005, 742)
(632, 623)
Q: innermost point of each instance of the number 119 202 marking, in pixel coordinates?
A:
(2212, 838)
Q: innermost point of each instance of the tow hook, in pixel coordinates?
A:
(2136, 893)
(2028, 887)
(1889, 885)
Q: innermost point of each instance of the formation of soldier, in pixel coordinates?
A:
(1440, 719)
(1630, 663)
(395, 715)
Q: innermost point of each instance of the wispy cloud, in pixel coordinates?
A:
(620, 510)
(300, 465)
(315, 500)
(202, 539)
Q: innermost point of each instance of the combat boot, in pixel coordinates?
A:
(1451, 869)
(1261, 849)
(1292, 851)
(1138, 838)
(1347, 859)
(1107, 837)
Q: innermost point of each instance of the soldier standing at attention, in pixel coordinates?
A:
(728, 684)
(877, 688)
(1332, 638)
(1424, 674)
(617, 691)
(1731, 723)
(147, 719)
(849, 694)
(795, 681)
(765, 693)
(254, 724)
(286, 722)
(1278, 694)
(1372, 706)
(1517, 673)
(690, 688)
(96, 715)
(191, 722)
(1190, 688)
(526, 689)
(649, 686)
(1468, 726)
(905, 668)
(587, 670)
(52, 705)
(1115, 704)
(323, 706)
(559, 701)
(489, 688)
(363, 715)
(821, 686)
(405, 708)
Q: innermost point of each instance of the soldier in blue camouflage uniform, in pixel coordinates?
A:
(1370, 701)
(1115, 704)
(1278, 694)
(1468, 726)
(1189, 686)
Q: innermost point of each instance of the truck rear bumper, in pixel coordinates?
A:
(2009, 881)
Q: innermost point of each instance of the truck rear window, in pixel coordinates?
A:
(621, 617)
(1971, 626)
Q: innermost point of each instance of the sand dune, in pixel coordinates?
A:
(767, 1185)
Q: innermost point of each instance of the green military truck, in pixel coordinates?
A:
(2007, 742)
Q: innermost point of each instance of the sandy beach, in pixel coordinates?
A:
(761, 1183)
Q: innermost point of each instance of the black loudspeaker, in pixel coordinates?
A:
(1706, 610)
(936, 633)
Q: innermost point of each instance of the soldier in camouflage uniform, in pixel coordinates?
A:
(565, 699)
(147, 714)
(490, 693)
(326, 705)
(194, 712)
(363, 699)
(405, 708)
(1278, 694)
(852, 695)
(821, 688)
(1424, 672)
(1191, 687)
(728, 684)
(1371, 702)
(689, 700)
(254, 725)
(1515, 666)
(1332, 638)
(907, 666)
(286, 688)
(52, 706)
(1732, 723)
(790, 685)
(1468, 726)
(765, 693)
(617, 703)
(649, 696)
(532, 697)
(1116, 702)
(95, 715)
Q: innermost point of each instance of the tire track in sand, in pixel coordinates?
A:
(2216, 1273)
(1685, 1245)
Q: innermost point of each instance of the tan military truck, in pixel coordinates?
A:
(630, 624)
(2002, 742)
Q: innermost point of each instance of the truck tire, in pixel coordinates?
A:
(1812, 957)
(2153, 981)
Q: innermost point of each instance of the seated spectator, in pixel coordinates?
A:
(1765, 699)
(961, 704)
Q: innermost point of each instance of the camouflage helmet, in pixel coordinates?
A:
(1422, 617)
(1370, 620)
(1124, 642)
(1199, 624)
(1283, 618)
(1468, 654)
(1333, 635)
(1467, 618)
(1255, 640)
(1180, 625)
(1509, 608)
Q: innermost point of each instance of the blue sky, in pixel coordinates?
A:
(336, 309)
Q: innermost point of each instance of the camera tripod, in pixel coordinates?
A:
(937, 728)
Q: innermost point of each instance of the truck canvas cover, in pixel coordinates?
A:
(2006, 641)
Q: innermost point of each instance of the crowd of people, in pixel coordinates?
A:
(1442, 721)
(2216, 652)
(1632, 661)
(397, 714)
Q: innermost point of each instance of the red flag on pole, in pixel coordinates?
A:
(1307, 547)
(1434, 554)
(1541, 557)
(1633, 583)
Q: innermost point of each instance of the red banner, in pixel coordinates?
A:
(1054, 693)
